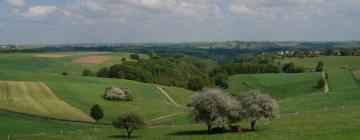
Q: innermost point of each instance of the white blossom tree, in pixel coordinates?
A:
(258, 106)
(212, 106)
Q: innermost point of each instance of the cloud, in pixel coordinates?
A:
(16, 2)
(241, 9)
(40, 11)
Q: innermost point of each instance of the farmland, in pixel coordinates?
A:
(37, 99)
(77, 94)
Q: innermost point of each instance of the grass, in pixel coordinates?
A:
(294, 93)
(343, 124)
(35, 98)
(279, 86)
(180, 95)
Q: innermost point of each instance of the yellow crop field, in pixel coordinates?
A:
(35, 98)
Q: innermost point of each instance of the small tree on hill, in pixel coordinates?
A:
(320, 66)
(212, 106)
(130, 122)
(321, 83)
(87, 72)
(198, 83)
(96, 112)
(134, 56)
(258, 106)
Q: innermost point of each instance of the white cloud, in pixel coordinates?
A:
(16, 2)
(241, 9)
(40, 11)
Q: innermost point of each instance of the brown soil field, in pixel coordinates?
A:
(52, 55)
(357, 74)
(93, 59)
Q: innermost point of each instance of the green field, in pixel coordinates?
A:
(279, 86)
(332, 124)
(35, 98)
(294, 93)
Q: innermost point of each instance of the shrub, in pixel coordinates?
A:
(258, 106)
(96, 112)
(65, 73)
(112, 93)
(198, 83)
(134, 56)
(123, 59)
(87, 72)
(130, 122)
(321, 83)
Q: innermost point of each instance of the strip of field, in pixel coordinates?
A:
(35, 98)
(52, 55)
(93, 59)
(356, 73)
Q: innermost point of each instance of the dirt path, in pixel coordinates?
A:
(171, 100)
(326, 86)
(162, 117)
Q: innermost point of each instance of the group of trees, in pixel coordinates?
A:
(292, 68)
(179, 70)
(214, 107)
(129, 121)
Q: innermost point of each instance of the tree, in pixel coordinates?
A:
(258, 106)
(123, 59)
(320, 66)
(65, 73)
(130, 122)
(321, 83)
(198, 83)
(103, 72)
(96, 112)
(134, 56)
(87, 72)
(212, 106)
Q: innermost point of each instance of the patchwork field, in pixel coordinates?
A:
(92, 59)
(356, 73)
(58, 95)
(35, 98)
(52, 55)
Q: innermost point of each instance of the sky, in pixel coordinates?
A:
(131, 21)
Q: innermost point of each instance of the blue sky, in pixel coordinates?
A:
(120, 21)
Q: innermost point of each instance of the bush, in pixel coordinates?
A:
(320, 66)
(65, 73)
(130, 122)
(321, 83)
(87, 72)
(96, 112)
(123, 59)
(134, 56)
(198, 83)
(291, 68)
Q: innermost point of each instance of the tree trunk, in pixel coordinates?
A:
(129, 131)
(209, 128)
(253, 125)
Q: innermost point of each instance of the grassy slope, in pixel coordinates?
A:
(36, 98)
(280, 86)
(343, 87)
(312, 126)
(83, 92)
(180, 95)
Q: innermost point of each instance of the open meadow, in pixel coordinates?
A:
(35, 88)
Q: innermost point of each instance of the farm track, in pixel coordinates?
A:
(326, 85)
(168, 97)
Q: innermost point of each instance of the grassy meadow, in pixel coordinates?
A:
(294, 93)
